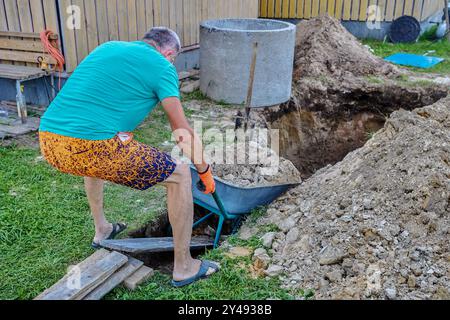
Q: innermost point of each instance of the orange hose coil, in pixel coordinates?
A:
(54, 52)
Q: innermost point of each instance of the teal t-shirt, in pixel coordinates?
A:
(112, 90)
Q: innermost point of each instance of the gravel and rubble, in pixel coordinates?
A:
(377, 224)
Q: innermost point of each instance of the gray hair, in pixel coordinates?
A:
(164, 37)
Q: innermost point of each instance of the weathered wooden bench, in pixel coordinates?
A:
(23, 58)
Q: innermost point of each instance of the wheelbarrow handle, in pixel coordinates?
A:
(217, 199)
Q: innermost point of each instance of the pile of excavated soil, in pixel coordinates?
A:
(377, 224)
(325, 48)
(258, 172)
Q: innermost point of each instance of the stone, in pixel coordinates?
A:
(274, 271)
(267, 239)
(263, 257)
(286, 224)
(304, 244)
(331, 255)
(334, 276)
(412, 282)
(238, 252)
(292, 235)
(246, 233)
(190, 86)
(391, 293)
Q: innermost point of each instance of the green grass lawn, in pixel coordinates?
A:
(45, 226)
(441, 49)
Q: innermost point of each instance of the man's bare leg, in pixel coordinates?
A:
(94, 192)
(181, 216)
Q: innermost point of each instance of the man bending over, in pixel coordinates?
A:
(87, 131)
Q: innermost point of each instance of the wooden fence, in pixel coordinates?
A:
(356, 10)
(106, 20)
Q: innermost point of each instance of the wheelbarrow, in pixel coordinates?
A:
(231, 202)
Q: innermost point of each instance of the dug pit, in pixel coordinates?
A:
(320, 126)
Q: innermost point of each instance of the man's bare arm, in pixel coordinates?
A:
(187, 140)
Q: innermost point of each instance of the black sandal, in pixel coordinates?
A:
(118, 228)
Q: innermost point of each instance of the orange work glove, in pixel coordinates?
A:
(208, 185)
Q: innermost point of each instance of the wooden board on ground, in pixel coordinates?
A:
(116, 279)
(149, 245)
(139, 277)
(85, 277)
(10, 128)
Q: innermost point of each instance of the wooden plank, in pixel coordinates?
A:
(38, 20)
(142, 275)
(398, 12)
(148, 245)
(12, 15)
(339, 9)
(3, 21)
(141, 18)
(116, 279)
(263, 8)
(355, 10)
(347, 10)
(199, 14)
(51, 16)
(185, 26)
(270, 8)
(315, 8)
(81, 39)
(390, 10)
(173, 16)
(91, 273)
(285, 9)
(382, 7)
(165, 15)
(19, 72)
(425, 9)
(91, 25)
(292, 9)
(372, 13)
(307, 12)
(25, 56)
(194, 20)
(113, 21)
(185, 35)
(102, 21)
(300, 8)
(204, 4)
(408, 7)
(21, 45)
(20, 34)
(430, 7)
(331, 7)
(278, 4)
(219, 9)
(68, 36)
(122, 14)
(323, 7)
(149, 16)
(132, 20)
(157, 12)
(364, 4)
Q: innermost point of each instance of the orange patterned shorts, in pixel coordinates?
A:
(125, 162)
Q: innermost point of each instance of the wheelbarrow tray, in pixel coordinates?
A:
(236, 199)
